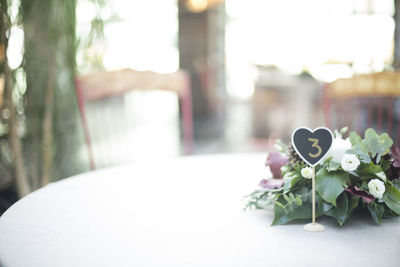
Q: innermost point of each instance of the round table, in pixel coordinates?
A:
(179, 212)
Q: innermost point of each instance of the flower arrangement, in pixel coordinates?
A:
(356, 174)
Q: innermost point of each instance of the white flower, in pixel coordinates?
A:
(376, 188)
(338, 149)
(350, 162)
(307, 172)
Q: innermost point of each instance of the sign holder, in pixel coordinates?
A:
(312, 146)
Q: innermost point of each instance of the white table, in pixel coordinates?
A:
(181, 212)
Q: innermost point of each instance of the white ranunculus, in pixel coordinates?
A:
(338, 149)
(350, 162)
(376, 188)
(307, 172)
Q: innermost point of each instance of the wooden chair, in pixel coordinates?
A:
(107, 88)
(365, 101)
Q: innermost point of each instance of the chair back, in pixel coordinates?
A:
(113, 107)
(365, 101)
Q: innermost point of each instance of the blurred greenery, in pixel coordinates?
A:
(39, 106)
(50, 49)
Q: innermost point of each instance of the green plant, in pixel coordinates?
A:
(362, 180)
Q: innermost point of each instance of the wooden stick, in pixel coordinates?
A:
(313, 195)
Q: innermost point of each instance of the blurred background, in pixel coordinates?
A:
(88, 84)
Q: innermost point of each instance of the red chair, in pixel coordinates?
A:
(110, 86)
(365, 101)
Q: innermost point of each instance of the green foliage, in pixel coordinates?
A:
(392, 198)
(376, 211)
(376, 145)
(50, 60)
(329, 185)
(356, 149)
(332, 166)
(303, 211)
(372, 146)
(294, 201)
(340, 212)
(353, 203)
(340, 133)
(290, 180)
(258, 200)
(396, 183)
(371, 170)
(280, 146)
(354, 138)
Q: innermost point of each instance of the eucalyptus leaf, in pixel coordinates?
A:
(354, 138)
(376, 145)
(362, 151)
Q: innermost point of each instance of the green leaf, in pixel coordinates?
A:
(330, 185)
(280, 146)
(354, 138)
(303, 211)
(366, 171)
(385, 141)
(376, 145)
(392, 198)
(285, 169)
(361, 151)
(298, 212)
(381, 175)
(333, 166)
(290, 180)
(353, 203)
(385, 164)
(343, 130)
(376, 211)
(354, 174)
(298, 201)
(396, 183)
(340, 212)
(364, 156)
(322, 207)
(279, 204)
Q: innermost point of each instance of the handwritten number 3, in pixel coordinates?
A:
(315, 144)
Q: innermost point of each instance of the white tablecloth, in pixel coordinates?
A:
(181, 212)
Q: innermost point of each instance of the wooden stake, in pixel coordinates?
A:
(313, 227)
(313, 195)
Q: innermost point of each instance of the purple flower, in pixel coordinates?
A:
(275, 161)
(355, 191)
(271, 183)
(396, 156)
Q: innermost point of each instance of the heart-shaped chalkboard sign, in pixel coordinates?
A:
(312, 146)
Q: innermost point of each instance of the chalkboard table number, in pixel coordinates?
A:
(312, 146)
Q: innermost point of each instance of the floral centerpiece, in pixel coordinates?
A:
(356, 174)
